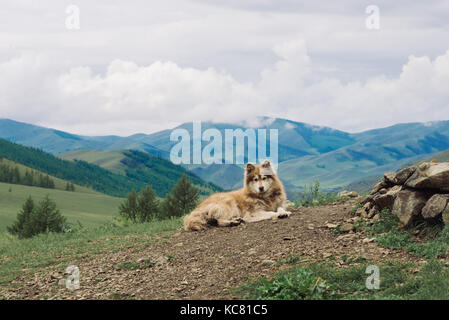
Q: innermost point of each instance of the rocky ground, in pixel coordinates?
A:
(208, 264)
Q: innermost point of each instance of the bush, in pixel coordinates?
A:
(33, 220)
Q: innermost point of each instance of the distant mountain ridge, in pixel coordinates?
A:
(306, 152)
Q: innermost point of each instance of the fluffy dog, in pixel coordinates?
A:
(262, 197)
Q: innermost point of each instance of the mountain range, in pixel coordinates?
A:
(306, 152)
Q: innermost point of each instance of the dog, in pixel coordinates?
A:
(262, 197)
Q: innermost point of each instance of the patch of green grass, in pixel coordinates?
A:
(390, 236)
(297, 284)
(397, 281)
(28, 256)
(312, 197)
(91, 209)
(134, 265)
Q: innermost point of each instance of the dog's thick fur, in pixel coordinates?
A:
(262, 197)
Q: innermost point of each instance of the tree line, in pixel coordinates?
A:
(11, 174)
(145, 206)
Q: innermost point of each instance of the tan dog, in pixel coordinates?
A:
(262, 197)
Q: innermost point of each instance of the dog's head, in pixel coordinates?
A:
(259, 179)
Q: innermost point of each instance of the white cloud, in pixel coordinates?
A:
(130, 98)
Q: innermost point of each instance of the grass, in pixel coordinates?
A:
(317, 281)
(312, 197)
(434, 241)
(90, 209)
(29, 256)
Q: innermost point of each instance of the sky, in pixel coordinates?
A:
(123, 67)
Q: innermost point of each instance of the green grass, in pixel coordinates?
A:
(317, 281)
(91, 209)
(312, 196)
(434, 242)
(56, 251)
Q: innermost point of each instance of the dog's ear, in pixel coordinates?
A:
(266, 168)
(266, 164)
(250, 167)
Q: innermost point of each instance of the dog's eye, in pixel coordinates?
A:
(264, 178)
(256, 179)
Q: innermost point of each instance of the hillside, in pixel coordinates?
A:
(79, 172)
(59, 184)
(306, 152)
(56, 141)
(89, 208)
(196, 265)
(142, 167)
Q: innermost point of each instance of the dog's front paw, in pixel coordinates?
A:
(236, 222)
(284, 214)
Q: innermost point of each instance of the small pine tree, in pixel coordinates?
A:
(45, 218)
(147, 205)
(33, 220)
(182, 199)
(22, 218)
(129, 207)
(72, 186)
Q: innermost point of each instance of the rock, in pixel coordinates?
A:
(408, 205)
(435, 206)
(445, 215)
(372, 212)
(402, 175)
(366, 200)
(384, 200)
(389, 177)
(345, 193)
(383, 191)
(346, 227)
(331, 226)
(430, 175)
(376, 217)
(380, 185)
(368, 206)
(267, 262)
(368, 240)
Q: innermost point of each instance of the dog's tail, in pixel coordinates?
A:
(195, 221)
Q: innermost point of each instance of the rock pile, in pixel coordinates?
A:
(416, 192)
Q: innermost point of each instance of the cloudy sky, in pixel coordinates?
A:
(142, 66)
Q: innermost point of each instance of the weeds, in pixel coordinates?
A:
(312, 196)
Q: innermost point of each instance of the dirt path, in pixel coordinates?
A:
(204, 265)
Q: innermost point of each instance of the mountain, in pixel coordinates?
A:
(56, 141)
(141, 167)
(306, 152)
(144, 169)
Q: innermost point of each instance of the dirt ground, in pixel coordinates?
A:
(208, 264)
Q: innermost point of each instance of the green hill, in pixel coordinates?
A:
(91, 209)
(161, 174)
(59, 184)
(79, 172)
(306, 152)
